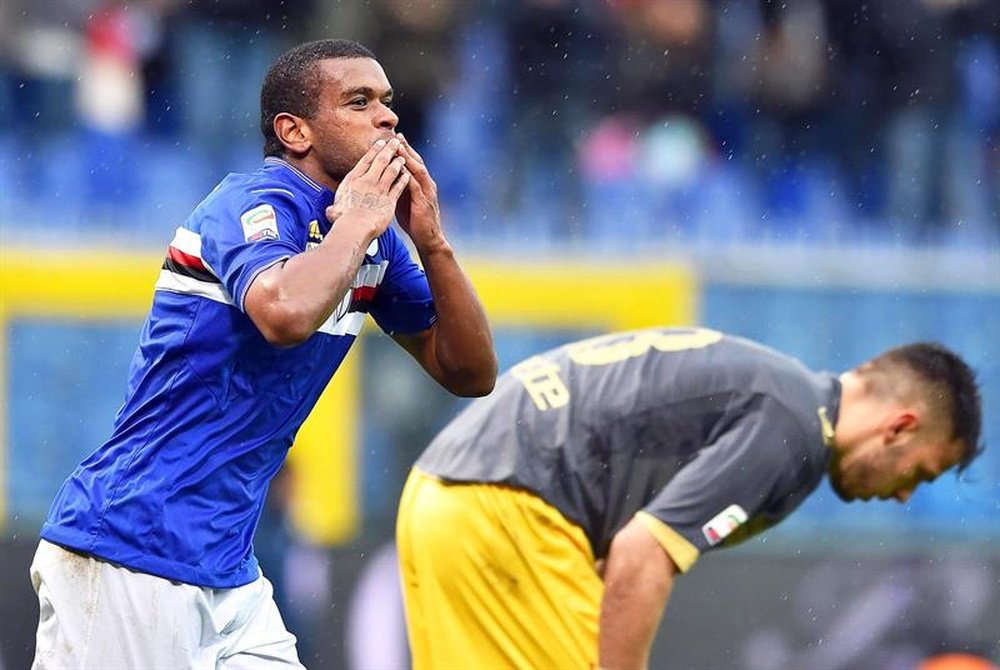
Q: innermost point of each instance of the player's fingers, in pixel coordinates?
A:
(402, 181)
(411, 153)
(383, 157)
(366, 161)
(392, 171)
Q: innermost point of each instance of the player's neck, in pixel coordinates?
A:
(854, 410)
(312, 169)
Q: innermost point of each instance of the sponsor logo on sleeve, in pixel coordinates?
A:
(260, 223)
(315, 236)
(723, 524)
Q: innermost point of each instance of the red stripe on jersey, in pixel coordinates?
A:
(364, 293)
(187, 260)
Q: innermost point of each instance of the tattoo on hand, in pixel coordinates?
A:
(369, 200)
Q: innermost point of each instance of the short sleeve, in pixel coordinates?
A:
(241, 240)
(726, 492)
(403, 303)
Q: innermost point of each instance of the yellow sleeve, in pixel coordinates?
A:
(681, 552)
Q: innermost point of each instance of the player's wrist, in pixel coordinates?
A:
(360, 226)
(433, 244)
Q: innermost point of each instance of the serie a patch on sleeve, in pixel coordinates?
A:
(724, 523)
(260, 223)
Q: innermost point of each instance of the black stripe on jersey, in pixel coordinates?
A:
(183, 270)
(360, 305)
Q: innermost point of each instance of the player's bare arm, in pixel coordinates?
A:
(457, 351)
(290, 300)
(638, 576)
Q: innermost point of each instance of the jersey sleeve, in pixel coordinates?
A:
(403, 303)
(724, 494)
(242, 239)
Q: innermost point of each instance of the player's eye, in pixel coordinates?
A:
(359, 102)
(387, 102)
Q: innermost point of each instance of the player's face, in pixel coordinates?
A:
(353, 113)
(891, 468)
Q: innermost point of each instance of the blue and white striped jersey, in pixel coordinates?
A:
(211, 408)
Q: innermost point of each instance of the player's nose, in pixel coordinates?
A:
(386, 118)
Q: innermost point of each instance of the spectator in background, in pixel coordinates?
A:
(783, 76)
(917, 81)
(40, 47)
(110, 101)
(219, 52)
(415, 40)
(977, 142)
(560, 81)
(664, 57)
(892, 99)
(643, 163)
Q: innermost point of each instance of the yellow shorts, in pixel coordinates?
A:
(494, 577)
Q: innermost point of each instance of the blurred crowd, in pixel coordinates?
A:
(546, 122)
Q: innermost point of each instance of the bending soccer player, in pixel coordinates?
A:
(544, 526)
(146, 559)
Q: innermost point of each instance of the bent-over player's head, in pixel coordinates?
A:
(326, 101)
(906, 416)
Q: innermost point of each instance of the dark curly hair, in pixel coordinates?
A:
(293, 83)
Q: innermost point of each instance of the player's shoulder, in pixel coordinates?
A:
(248, 197)
(242, 190)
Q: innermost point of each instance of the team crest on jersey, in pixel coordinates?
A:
(260, 223)
(723, 524)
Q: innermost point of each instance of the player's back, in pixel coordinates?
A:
(599, 426)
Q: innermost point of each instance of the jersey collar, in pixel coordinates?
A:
(307, 180)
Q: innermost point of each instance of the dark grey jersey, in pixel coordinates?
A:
(706, 432)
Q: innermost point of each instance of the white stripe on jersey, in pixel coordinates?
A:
(175, 283)
(189, 242)
(349, 325)
(283, 191)
(370, 275)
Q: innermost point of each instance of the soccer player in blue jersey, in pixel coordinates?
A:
(146, 557)
(641, 451)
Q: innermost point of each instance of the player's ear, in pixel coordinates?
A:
(294, 133)
(900, 423)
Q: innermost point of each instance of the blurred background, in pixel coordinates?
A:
(820, 175)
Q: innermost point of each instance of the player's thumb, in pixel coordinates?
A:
(332, 212)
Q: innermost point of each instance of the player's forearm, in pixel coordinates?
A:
(637, 582)
(463, 343)
(292, 301)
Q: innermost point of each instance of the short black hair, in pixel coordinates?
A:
(292, 84)
(952, 387)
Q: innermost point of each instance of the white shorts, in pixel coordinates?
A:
(94, 614)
